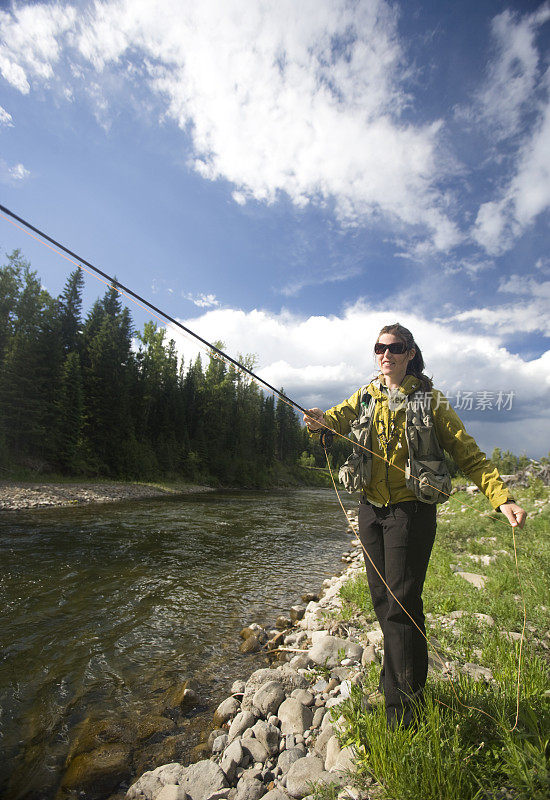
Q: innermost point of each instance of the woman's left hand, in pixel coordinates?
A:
(515, 514)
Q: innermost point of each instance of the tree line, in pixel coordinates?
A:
(93, 396)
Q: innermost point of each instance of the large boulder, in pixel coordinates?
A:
(244, 719)
(99, 772)
(306, 771)
(255, 749)
(295, 716)
(288, 757)
(328, 650)
(202, 779)
(150, 783)
(269, 697)
(227, 708)
(268, 735)
(231, 758)
(250, 789)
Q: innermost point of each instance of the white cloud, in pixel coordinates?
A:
(515, 90)
(301, 98)
(6, 119)
(513, 72)
(528, 313)
(202, 300)
(12, 174)
(31, 45)
(322, 360)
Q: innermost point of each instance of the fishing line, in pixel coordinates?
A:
(69, 255)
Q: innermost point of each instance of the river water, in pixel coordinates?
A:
(105, 609)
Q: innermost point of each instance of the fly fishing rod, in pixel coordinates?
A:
(121, 287)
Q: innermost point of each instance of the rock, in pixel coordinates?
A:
(244, 719)
(150, 725)
(288, 757)
(269, 736)
(277, 640)
(281, 623)
(478, 581)
(238, 687)
(297, 613)
(269, 697)
(219, 743)
(202, 779)
(304, 772)
(326, 652)
(375, 636)
(477, 672)
(250, 789)
(152, 782)
(98, 772)
(255, 749)
(308, 597)
(171, 792)
(304, 696)
(320, 746)
(338, 759)
(512, 636)
(251, 644)
(295, 716)
(168, 750)
(369, 655)
(231, 759)
(227, 708)
(318, 715)
(485, 618)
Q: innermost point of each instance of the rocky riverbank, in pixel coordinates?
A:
(17, 496)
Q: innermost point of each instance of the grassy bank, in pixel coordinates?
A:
(455, 751)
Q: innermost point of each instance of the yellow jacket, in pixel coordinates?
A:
(387, 483)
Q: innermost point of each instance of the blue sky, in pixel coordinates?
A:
(288, 176)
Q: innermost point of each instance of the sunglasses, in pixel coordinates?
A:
(397, 348)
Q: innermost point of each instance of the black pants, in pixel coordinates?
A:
(399, 539)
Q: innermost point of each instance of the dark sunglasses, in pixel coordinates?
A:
(397, 348)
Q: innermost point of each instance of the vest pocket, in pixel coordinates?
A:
(428, 479)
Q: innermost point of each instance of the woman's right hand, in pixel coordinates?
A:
(312, 419)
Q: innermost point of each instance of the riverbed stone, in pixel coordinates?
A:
(268, 734)
(98, 772)
(172, 792)
(244, 719)
(153, 724)
(297, 613)
(219, 743)
(338, 759)
(318, 715)
(251, 644)
(303, 773)
(231, 759)
(250, 789)
(320, 746)
(238, 687)
(326, 651)
(202, 779)
(269, 697)
(255, 749)
(227, 708)
(304, 696)
(151, 782)
(295, 716)
(288, 757)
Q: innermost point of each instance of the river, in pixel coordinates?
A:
(107, 608)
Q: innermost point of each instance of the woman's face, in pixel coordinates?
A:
(393, 365)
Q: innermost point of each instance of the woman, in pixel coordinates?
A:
(405, 424)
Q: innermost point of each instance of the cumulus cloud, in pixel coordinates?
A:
(6, 119)
(514, 91)
(527, 314)
(513, 72)
(320, 360)
(304, 99)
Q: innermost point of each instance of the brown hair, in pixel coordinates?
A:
(416, 365)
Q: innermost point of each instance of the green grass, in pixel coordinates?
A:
(454, 751)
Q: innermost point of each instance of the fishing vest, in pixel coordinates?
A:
(426, 473)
